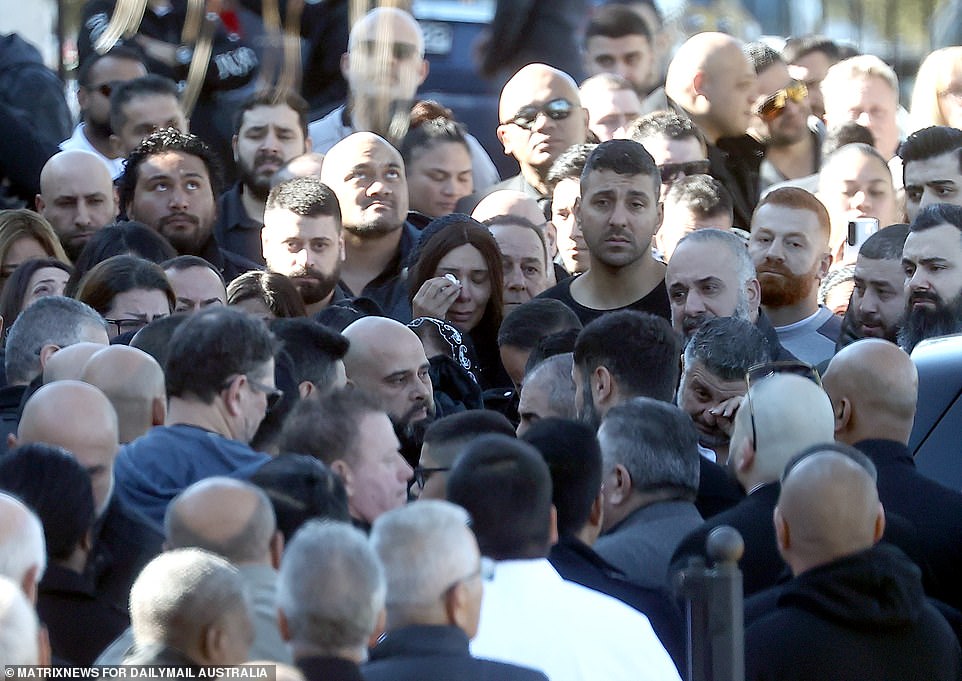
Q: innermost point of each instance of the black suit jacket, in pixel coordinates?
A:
(934, 510)
(124, 543)
(717, 490)
(761, 565)
(436, 653)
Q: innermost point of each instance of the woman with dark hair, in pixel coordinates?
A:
(457, 278)
(266, 295)
(129, 292)
(437, 162)
(120, 238)
(25, 235)
(33, 280)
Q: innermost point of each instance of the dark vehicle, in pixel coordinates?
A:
(936, 439)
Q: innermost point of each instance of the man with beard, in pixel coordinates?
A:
(96, 79)
(932, 262)
(712, 382)
(169, 184)
(789, 246)
(77, 197)
(780, 120)
(878, 299)
(386, 360)
(302, 239)
(619, 213)
(367, 175)
(270, 129)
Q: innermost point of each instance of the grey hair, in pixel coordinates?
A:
(656, 442)
(555, 373)
(18, 627)
(728, 347)
(735, 245)
(51, 320)
(182, 593)
(407, 540)
(331, 587)
(22, 544)
(250, 544)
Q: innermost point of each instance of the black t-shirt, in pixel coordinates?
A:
(655, 302)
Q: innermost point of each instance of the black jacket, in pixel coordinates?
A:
(861, 617)
(436, 653)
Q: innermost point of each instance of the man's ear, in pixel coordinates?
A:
(782, 533)
(596, 515)
(343, 471)
(345, 64)
(233, 146)
(40, 203)
(620, 491)
(46, 352)
(282, 626)
(158, 411)
(879, 524)
(276, 549)
(553, 536)
(843, 414)
(824, 264)
(305, 389)
(232, 395)
(603, 388)
(504, 137)
(753, 291)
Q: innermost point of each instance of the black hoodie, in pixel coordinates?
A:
(861, 617)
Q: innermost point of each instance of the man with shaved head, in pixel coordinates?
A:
(367, 175)
(123, 542)
(856, 608)
(540, 116)
(873, 386)
(780, 416)
(22, 547)
(77, 197)
(384, 66)
(133, 381)
(386, 361)
(714, 83)
(68, 363)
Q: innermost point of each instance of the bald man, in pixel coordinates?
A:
(386, 360)
(856, 608)
(77, 197)
(367, 175)
(873, 386)
(540, 116)
(133, 381)
(22, 546)
(123, 542)
(513, 203)
(714, 83)
(780, 416)
(68, 363)
(381, 90)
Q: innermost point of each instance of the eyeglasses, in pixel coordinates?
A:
(274, 395)
(400, 51)
(422, 474)
(670, 172)
(760, 372)
(527, 116)
(126, 325)
(771, 108)
(485, 570)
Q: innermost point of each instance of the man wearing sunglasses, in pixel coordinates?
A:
(215, 407)
(97, 78)
(384, 66)
(713, 83)
(675, 143)
(541, 116)
(781, 119)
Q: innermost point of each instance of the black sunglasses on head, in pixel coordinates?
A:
(556, 110)
(670, 172)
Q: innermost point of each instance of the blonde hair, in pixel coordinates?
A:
(931, 79)
(18, 223)
(862, 66)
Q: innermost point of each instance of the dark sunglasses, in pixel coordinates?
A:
(771, 108)
(670, 172)
(400, 51)
(423, 473)
(556, 110)
(760, 372)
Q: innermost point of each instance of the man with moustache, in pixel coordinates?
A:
(367, 175)
(790, 248)
(169, 184)
(932, 262)
(302, 239)
(270, 129)
(878, 299)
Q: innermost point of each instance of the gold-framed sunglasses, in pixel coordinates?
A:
(771, 107)
(760, 372)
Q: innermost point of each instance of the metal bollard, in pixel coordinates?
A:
(714, 610)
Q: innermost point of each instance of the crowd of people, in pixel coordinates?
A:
(370, 411)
